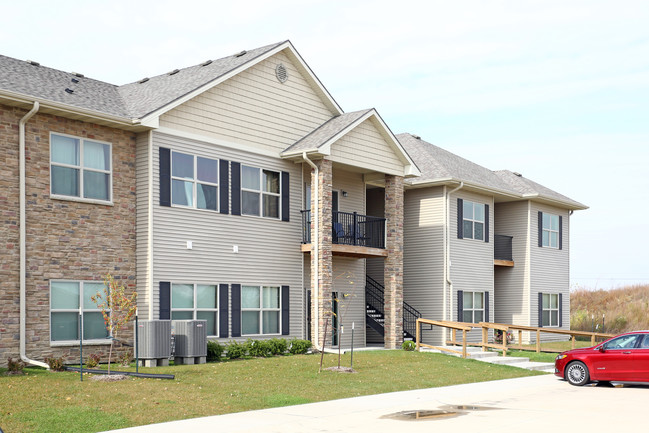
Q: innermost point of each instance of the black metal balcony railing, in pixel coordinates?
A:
(350, 228)
(503, 247)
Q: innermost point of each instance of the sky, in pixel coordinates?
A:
(555, 90)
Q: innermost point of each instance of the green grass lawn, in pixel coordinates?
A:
(45, 401)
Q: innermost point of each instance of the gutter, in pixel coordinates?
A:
(447, 259)
(23, 236)
(314, 250)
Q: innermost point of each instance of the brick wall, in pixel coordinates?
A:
(65, 239)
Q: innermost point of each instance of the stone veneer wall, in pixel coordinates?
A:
(65, 239)
(393, 265)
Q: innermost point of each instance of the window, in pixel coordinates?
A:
(195, 302)
(69, 300)
(473, 310)
(194, 181)
(260, 308)
(473, 220)
(260, 192)
(550, 230)
(624, 342)
(550, 309)
(80, 168)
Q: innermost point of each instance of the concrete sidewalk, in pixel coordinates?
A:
(530, 404)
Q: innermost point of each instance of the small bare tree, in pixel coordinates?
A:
(116, 306)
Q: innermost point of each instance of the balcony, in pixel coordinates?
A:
(503, 250)
(352, 234)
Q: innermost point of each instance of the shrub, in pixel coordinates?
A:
(214, 350)
(55, 364)
(408, 345)
(15, 367)
(299, 347)
(92, 361)
(236, 350)
(278, 346)
(125, 358)
(258, 348)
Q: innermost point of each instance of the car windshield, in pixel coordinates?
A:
(623, 342)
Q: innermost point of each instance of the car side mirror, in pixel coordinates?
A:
(602, 348)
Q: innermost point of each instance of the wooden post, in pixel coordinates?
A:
(464, 343)
(573, 338)
(418, 336)
(484, 338)
(505, 333)
(592, 340)
(538, 341)
(520, 339)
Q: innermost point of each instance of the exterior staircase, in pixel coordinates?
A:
(495, 358)
(374, 312)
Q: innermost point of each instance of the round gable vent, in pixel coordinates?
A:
(281, 73)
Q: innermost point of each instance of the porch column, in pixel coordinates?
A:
(323, 258)
(393, 269)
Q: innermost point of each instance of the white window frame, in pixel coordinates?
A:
(195, 181)
(547, 243)
(262, 193)
(550, 310)
(473, 309)
(195, 309)
(79, 312)
(473, 220)
(81, 169)
(262, 309)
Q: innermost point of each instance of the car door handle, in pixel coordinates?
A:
(626, 353)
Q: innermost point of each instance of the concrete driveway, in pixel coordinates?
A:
(531, 404)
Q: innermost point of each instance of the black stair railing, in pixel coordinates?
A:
(375, 300)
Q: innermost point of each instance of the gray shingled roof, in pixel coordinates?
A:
(134, 100)
(46, 83)
(528, 187)
(325, 132)
(144, 98)
(439, 165)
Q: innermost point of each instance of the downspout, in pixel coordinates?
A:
(314, 250)
(447, 260)
(22, 241)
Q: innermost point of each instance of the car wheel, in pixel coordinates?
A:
(577, 373)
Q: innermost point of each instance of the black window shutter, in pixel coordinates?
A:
(165, 300)
(165, 176)
(460, 305)
(540, 229)
(540, 308)
(285, 311)
(223, 310)
(486, 224)
(560, 310)
(235, 180)
(560, 232)
(224, 186)
(460, 218)
(486, 306)
(286, 193)
(236, 310)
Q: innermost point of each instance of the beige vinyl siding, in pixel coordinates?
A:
(550, 267)
(142, 253)
(268, 249)
(511, 284)
(472, 261)
(423, 255)
(254, 108)
(365, 147)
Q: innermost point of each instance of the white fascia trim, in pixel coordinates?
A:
(554, 202)
(146, 120)
(450, 180)
(217, 141)
(45, 103)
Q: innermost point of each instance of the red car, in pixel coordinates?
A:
(624, 358)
